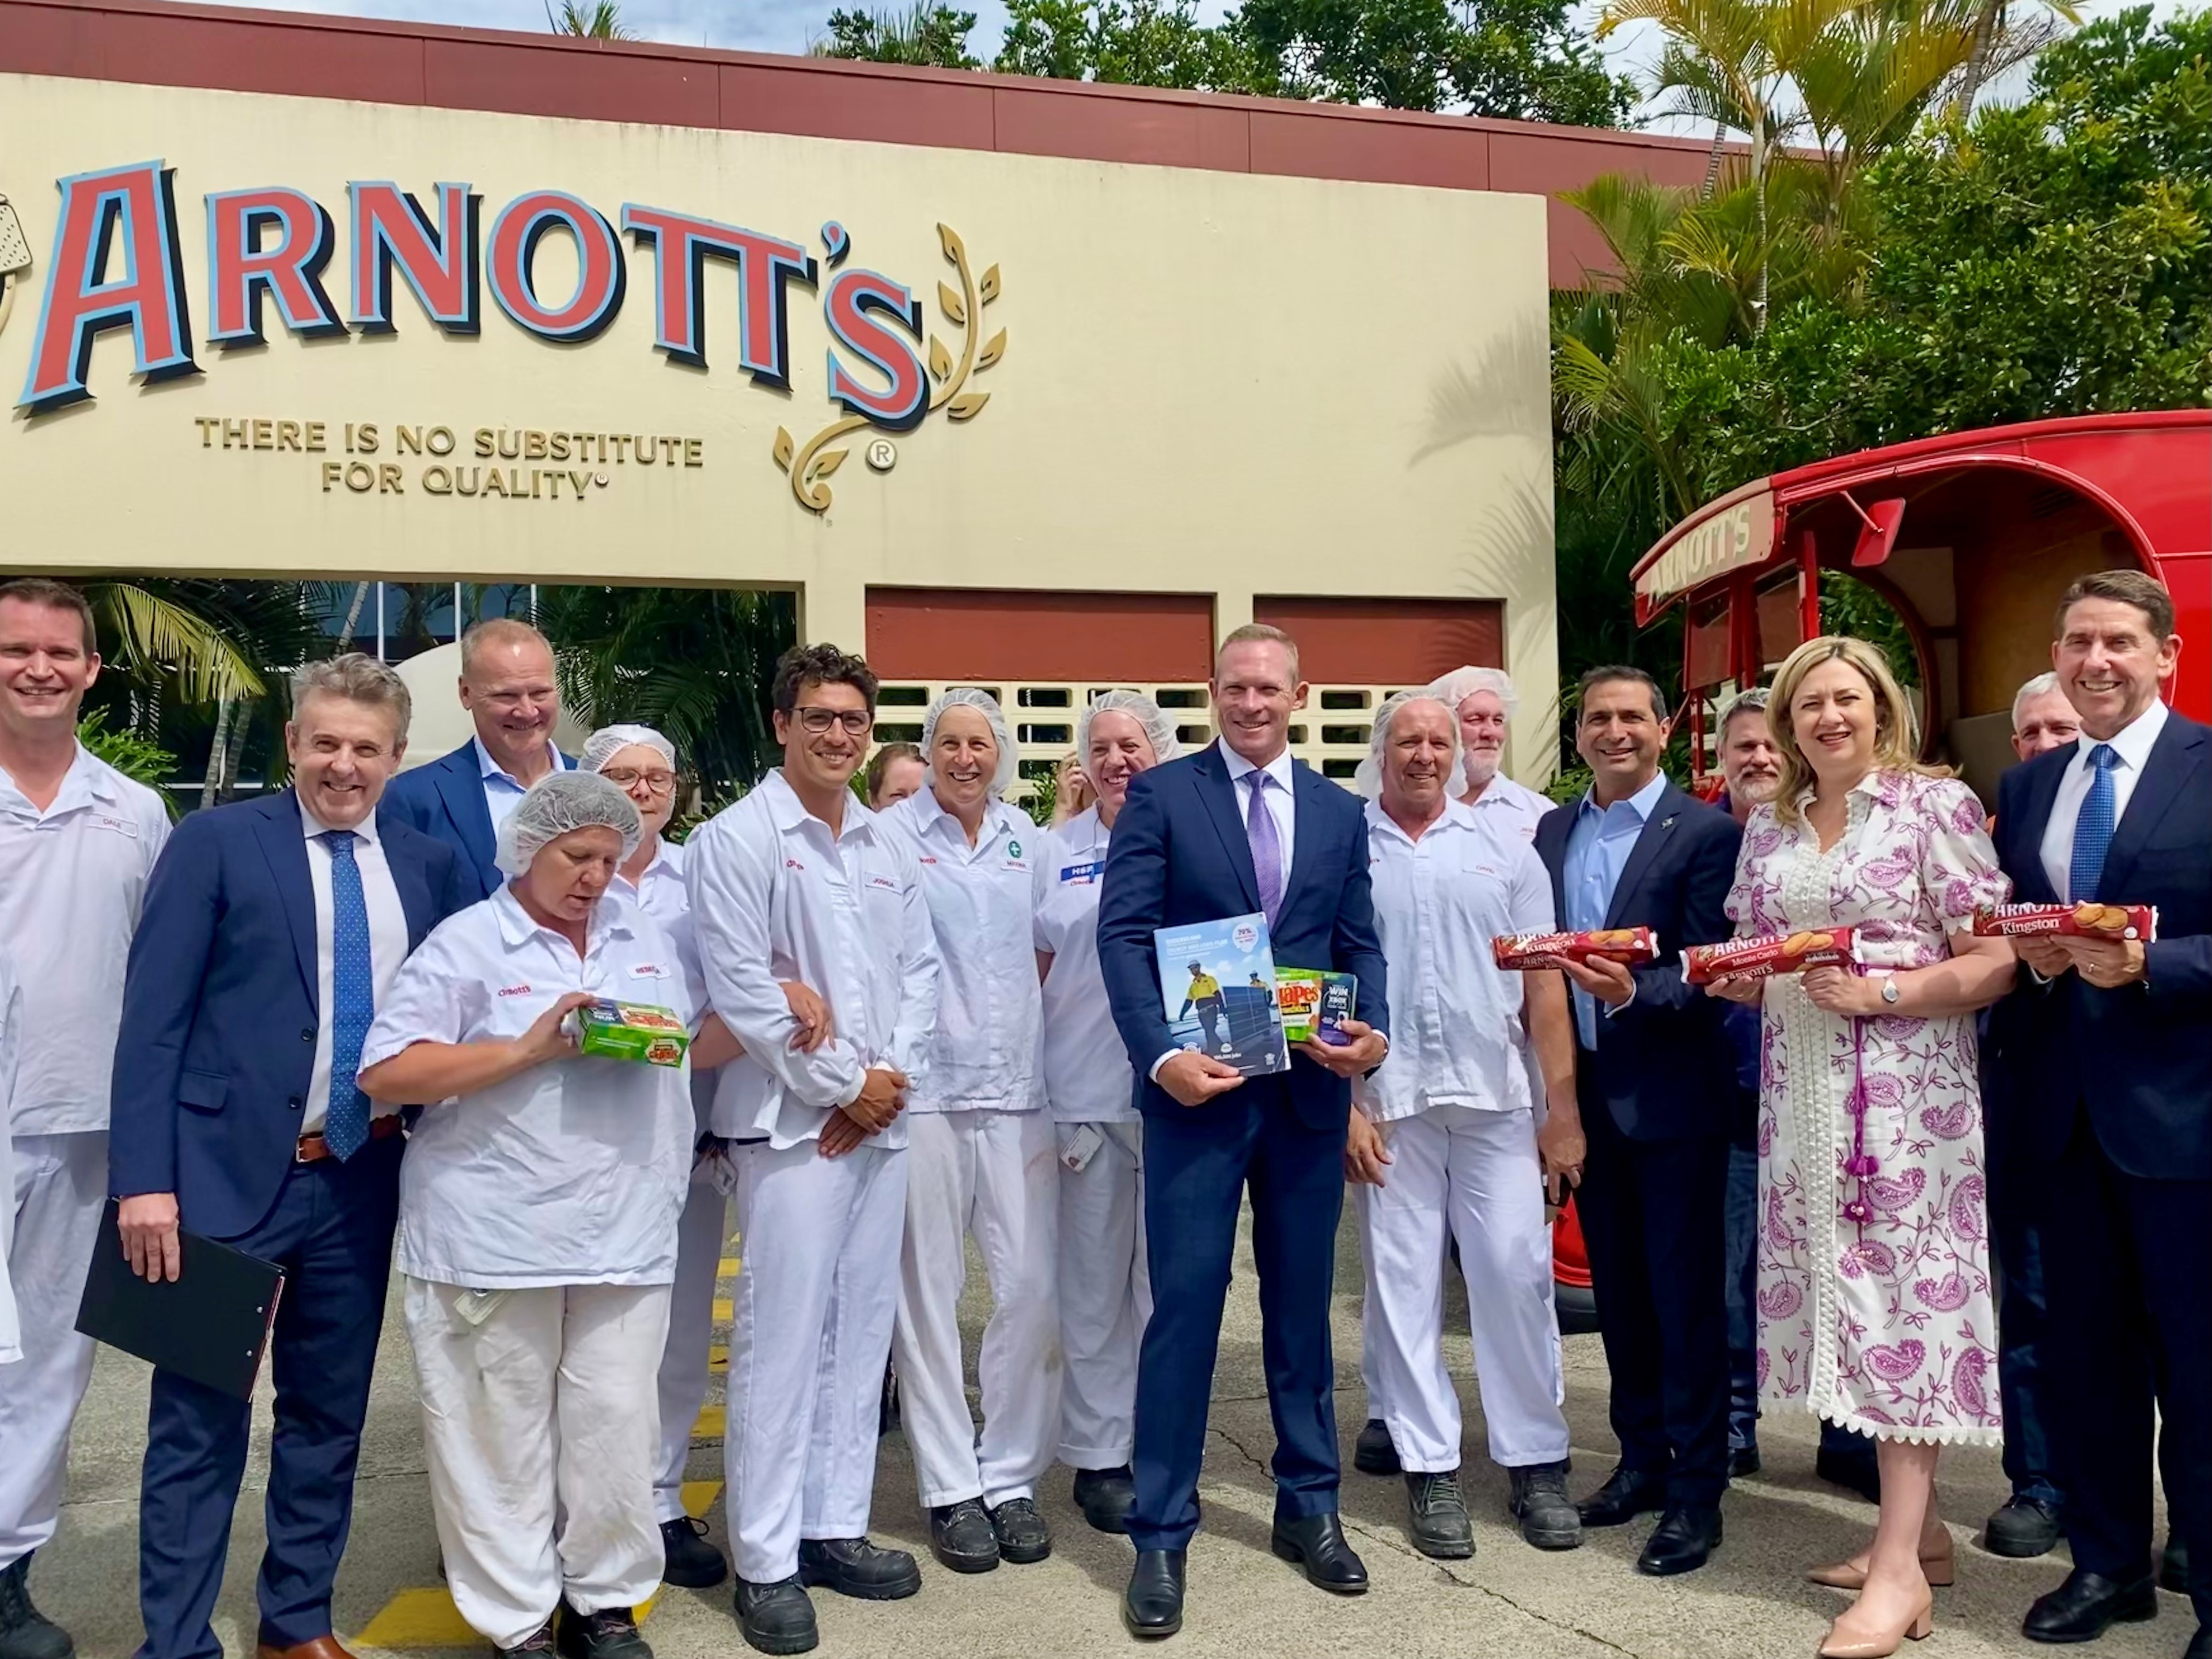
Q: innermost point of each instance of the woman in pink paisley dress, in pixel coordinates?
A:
(1875, 1307)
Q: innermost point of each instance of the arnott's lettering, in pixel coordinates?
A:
(117, 268)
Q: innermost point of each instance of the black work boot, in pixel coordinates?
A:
(855, 1567)
(1548, 1518)
(25, 1632)
(961, 1535)
(1437, 1516)
(775, 1617)
(1372, 1452)
(688, 1560)
(609, 1633)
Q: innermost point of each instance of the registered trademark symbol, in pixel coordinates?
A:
(882, 454)
(602, 480)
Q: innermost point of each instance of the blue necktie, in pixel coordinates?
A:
(353, 999)
(1266, 848)
(2093, 828)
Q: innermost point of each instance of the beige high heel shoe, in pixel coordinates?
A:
(1849, 1638)
(1938, 1563)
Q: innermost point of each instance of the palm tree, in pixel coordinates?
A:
(599, 20)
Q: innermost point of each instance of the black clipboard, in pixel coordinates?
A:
(211, 1324)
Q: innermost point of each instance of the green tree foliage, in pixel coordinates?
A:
(1145, 43)
(133, 755)
(929, 36)
(599, 20)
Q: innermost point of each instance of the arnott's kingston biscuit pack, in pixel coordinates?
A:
(2084, 920)
(1626, 945)
(1764, 955)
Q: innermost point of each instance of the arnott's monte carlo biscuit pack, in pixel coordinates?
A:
(1761, 956)
(1524, 951)
(2088, 920)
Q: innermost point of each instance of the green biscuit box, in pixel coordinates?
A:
(1314, 1003)
(632, 1030)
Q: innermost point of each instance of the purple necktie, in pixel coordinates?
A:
(1266, 848)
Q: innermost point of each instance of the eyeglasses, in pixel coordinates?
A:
(660, 783)
(818, 719)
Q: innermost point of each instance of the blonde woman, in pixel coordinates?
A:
(1875, 1296)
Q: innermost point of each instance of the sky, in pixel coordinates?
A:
(792, 25)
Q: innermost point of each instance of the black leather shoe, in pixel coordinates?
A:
(1372, 1453)
(1742, 1460)
(1539, 1503)
(689, 1561)
(25, 1632)
(2173, 1567)
(1317, 1543)
(1022, 1533)
(1853, 1471)
(854, 1567)
(610, 1633)
(1683, 1541)
(1437, 1515)
(961, 1536)
(1153, 1605)
(1105, 1497)
(776, 1618)
(2088, 1605)
(2024, 1528)
(1626, 1494)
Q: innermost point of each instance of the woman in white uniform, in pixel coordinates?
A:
(1105, 1289)
(538, 1213)
(980, 1160)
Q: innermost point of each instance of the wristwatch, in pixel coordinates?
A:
(1889, 989)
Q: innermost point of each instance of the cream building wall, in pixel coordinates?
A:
(1222, 383)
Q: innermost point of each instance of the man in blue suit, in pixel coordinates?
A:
(1656, 1077)
(508, 688)
(269, 930)
(1237, 827)
(2112, 1080)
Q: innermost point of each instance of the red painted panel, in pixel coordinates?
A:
(1543, 162)
(583, 82)
(763, 95)
(1327, 143)
(239, 53)
(993, 635)
(1392, 642)
(1050, 118)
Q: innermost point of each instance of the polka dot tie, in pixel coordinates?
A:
(353, 999)
(2093, 828)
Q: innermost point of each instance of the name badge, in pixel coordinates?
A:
(885, 885)
(648, 970)
(126, 827)
(515, 990)
(1083, 872)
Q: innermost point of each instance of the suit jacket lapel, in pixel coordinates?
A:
(1309, 803)
(284, 844)
(460, 784)
(409, 875)
(2178, 752)
(1219, 795)
(2031, 885)
(1656, 830)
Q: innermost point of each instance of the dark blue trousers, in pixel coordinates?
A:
(330, 1230)
(1198, 1163)
(1740, 1221)
(2023, 1317)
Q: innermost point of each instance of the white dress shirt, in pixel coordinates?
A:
(1280, 796)
(1457, 1036)
(11, 1023)
(2132, 745)
(1086, 1069)
(571, 1173)
(501, 788)
(71, 880)
(983, 1054)
(387, 947)
(776, 897)
(1510, 810)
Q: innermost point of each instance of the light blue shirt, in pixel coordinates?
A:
(502, 790)
(1598, 843)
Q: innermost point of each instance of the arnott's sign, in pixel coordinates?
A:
(718, 292)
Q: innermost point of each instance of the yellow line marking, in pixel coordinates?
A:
(419, 1619)
(699, 1497)
(718, 1357)
(725, 1311)
(710, 1423)
(728, 1269)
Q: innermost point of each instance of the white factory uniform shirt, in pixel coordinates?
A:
(660, 889)
(776, 897)
(11, 1023)
(71, 880)
(1086, 1069)
(571, 1172)
(387, 947)
(1456, 1017)
(1510, 810)
(984, 1054)
(2132, 744)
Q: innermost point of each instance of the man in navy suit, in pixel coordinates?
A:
(1237, 827)
(508, 688)
(2111, 1078)
(1655, 1075)
(270, 928)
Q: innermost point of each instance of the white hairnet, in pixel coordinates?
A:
(967, 696)
(603, 745)
(1456, 687)
(1368, 780)
(560, 802)
(1159, 730)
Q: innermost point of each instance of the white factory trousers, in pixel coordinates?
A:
(701, 1235)
(812, 1326)
(1105, 1294)
(60, 1191)
(995, 1174)
(542, 1438)
(1476, 1174)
